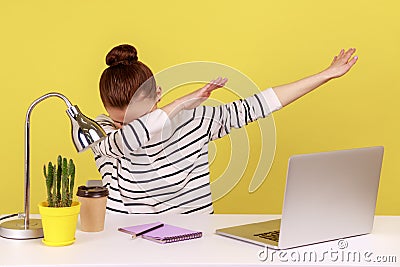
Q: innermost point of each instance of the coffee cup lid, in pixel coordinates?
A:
(92, 191)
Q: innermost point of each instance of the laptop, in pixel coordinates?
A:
(329, 195)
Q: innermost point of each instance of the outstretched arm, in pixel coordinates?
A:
(286, 94)
(340, 65)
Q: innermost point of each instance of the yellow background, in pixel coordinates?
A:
(61, 46)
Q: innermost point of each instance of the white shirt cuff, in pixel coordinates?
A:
(271, 99)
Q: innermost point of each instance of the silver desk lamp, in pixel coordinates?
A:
(85, 133)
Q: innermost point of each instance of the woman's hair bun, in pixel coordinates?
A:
(123, 54)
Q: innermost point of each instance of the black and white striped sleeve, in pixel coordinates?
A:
(241, 112)
(131, 136)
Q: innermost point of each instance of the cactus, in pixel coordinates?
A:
(65, 183)
(49, 182)
(71, 173)
(55, 198)
(60, 182)
(59, 172)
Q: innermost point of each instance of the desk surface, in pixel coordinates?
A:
(113, 248)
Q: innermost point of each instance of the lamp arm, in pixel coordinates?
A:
(27, 149)
(43, 97)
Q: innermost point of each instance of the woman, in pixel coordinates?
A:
(155, 160)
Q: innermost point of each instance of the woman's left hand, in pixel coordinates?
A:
(341, 63)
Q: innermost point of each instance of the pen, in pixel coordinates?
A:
(148, 230)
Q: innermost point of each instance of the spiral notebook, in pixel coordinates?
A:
(165, 234)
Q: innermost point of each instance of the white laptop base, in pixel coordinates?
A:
(328, 196)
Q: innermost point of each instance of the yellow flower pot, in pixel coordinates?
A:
(59, 224)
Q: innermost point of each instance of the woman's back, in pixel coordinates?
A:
(168, 174)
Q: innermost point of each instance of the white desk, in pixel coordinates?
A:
(113, 248)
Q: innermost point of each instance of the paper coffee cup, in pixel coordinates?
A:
(93, 207)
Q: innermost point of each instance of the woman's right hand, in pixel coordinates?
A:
(194, 99)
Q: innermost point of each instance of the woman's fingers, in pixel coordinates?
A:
(344, 57)
(341, 53)
(348, 54)
(217, 83)
(334, 60)
(353, 61)
(221, 82)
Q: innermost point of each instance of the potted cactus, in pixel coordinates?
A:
(59, 213)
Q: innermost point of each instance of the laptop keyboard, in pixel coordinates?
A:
(273, 235)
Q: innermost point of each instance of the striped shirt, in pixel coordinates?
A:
(156, 164)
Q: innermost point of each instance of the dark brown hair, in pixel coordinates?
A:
(124, 76)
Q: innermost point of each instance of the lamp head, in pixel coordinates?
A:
(85, 132)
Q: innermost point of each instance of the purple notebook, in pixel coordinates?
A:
(165, 234)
